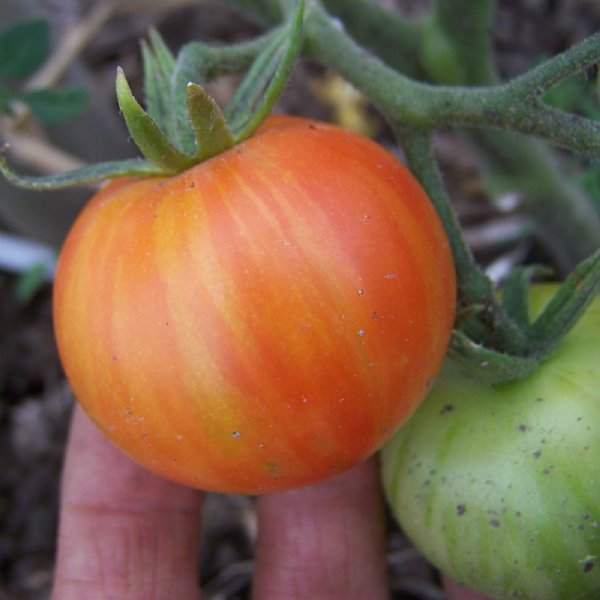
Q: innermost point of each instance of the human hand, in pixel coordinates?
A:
(130, 535)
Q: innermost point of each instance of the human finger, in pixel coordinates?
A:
(456, 592)
(124, 532)
(325, 541)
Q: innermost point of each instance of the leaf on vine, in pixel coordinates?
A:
(6, 97)
(23, 48)
(53, 106)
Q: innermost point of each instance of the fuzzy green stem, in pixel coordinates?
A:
(394, 39)
(565, 219)
(537, 81)
(475, 289)
(475, 286)
(566, 222)
(402, 100)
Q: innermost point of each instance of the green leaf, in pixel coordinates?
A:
(6, 97)
(53, 106)
(267, 78)
(212, 134)
(83, 176)
(23, 48)
(566, 306)
(150, 139)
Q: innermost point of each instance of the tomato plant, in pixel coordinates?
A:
(263, 320)
(498, 486)
(250, 311)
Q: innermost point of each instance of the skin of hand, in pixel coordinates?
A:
(126, 534)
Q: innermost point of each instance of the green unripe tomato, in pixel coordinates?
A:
(499, 487)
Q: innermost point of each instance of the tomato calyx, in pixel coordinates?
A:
(474, 347)
(182, 125)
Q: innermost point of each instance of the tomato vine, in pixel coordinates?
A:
(415, 109)
(421, 76)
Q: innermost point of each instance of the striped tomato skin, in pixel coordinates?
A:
(262, 321)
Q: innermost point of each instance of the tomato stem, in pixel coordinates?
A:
(475, 288)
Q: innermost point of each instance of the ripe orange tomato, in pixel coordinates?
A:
(262, 321)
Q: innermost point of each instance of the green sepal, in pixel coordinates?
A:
(254, 84)
(156, 88)
(196, 62)
(193, 62)
(164, 57)
(91, 174)
(543, 335)
(515, 292)
(566, 306)
(212, 133)
(179, 131)
(266, 80)
(487, 364)
(152, 142)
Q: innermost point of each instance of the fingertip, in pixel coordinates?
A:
(456, 592)
(123, 532)
(325, 541)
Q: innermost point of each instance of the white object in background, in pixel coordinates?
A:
(19, 254)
